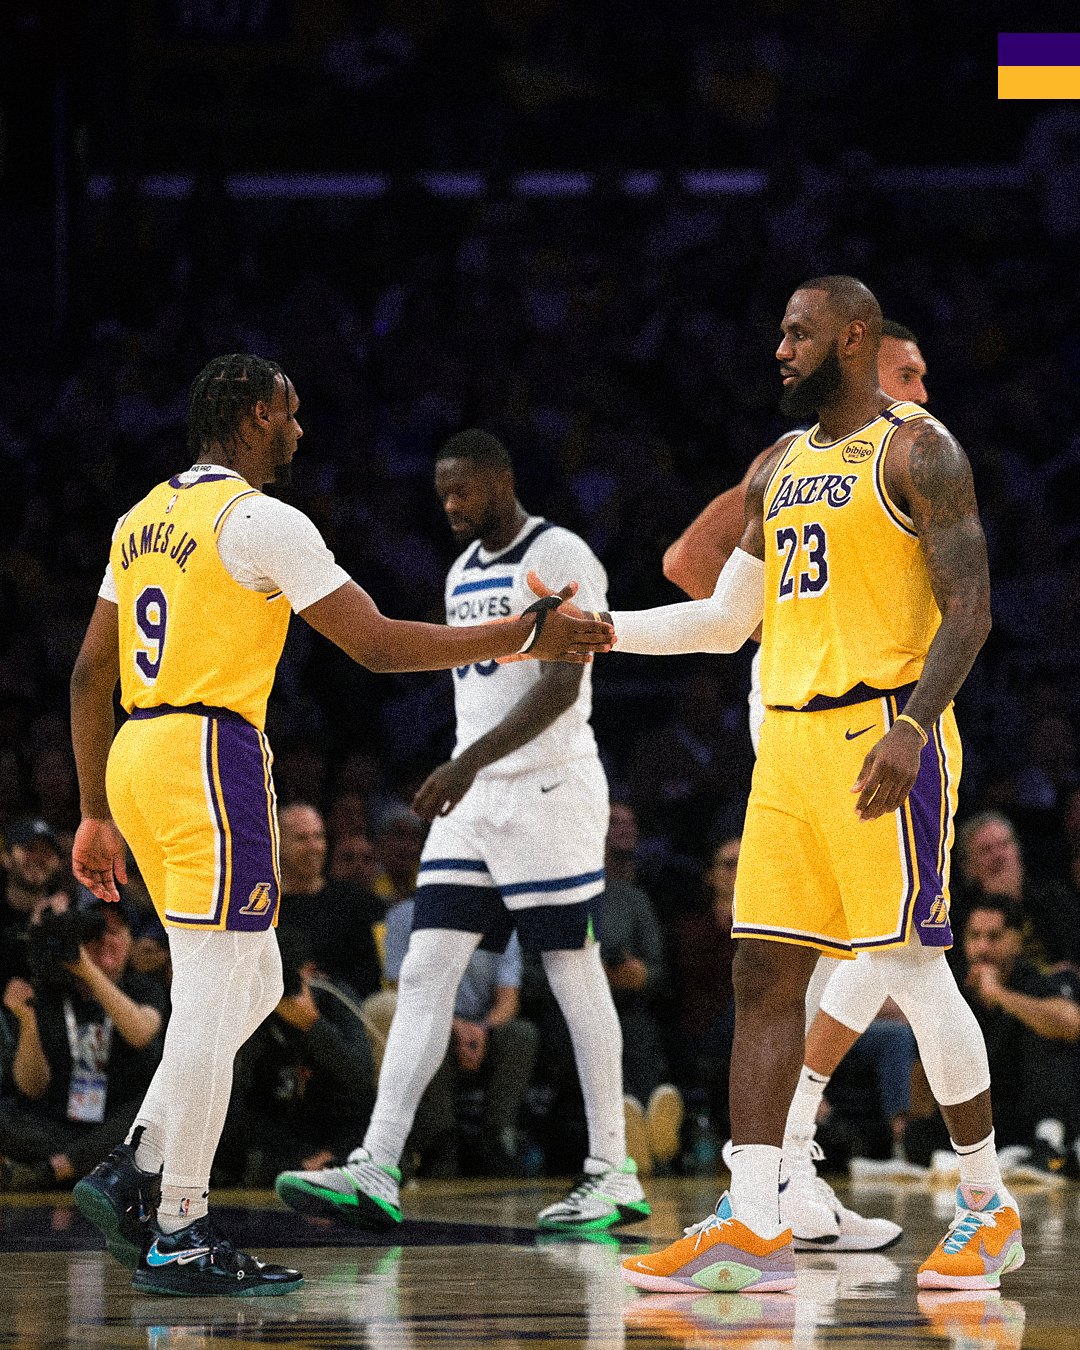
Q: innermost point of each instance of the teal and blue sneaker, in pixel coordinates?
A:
(119, 1199)
(360, 1191)
(198, 1263)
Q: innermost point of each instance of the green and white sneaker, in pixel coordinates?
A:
(601, 1197)
(361, 1192)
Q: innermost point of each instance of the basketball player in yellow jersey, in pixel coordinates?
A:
(843, 997)
(864, 560)
(203, 576)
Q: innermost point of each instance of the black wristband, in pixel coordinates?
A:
(541, 608)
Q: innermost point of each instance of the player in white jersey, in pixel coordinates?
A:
(520, 815)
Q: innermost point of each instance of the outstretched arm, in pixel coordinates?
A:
(350, 619)
(928, 474)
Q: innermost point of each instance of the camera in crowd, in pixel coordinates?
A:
(54, 941)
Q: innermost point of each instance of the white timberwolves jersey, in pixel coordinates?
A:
(483, 586)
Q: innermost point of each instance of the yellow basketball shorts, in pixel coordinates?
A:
(810, 871)
(191, 790)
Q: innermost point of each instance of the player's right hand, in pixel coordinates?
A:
(99, 858)
(564, 638)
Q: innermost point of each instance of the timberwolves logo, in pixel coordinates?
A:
(938, 916)
(258, 902)
(857, 451)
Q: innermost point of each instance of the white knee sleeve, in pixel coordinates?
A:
(855, 991)
(819, 980)
(950, 1041)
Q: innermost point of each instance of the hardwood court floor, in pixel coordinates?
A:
(467, 1269)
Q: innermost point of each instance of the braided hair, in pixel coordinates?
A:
(224, 392)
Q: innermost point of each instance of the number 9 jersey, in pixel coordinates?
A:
(848, 600)
(189, 633)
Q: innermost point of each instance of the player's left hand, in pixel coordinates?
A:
(99, 858)
(443, 788)
(888, 772)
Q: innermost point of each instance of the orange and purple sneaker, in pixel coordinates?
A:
(983, 1243)
(720, 1255)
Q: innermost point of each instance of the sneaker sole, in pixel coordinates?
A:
(623, 1214)
(666, 1284)
(358, 1209)
(934, 1279)
(95, 1206)
(213, 1288)
(848, 1242)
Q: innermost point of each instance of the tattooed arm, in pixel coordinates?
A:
(928, 475)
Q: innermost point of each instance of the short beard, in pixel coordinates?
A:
(810, 394)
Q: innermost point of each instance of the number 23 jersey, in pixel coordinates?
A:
(848, 598)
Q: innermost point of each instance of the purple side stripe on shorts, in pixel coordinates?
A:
(253, 896)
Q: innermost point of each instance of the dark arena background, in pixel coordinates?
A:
(574, 225)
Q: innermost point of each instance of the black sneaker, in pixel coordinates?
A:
(197, 1262)
(119, 1199)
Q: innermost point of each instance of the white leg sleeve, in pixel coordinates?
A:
(950, 1039)
(419, 1034)
(855, 991)
(223, 986)
(581, 988)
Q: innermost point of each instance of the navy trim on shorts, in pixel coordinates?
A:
(194, 709)
(480, 909)
(859, 693)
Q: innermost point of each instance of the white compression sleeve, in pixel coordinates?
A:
(949, 1038)
(722, 623)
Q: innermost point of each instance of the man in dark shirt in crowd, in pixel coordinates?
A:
(1031, 1023)
(32, 869)
(334, 917)
(89, 1039)
(992, 864)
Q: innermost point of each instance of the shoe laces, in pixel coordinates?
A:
(964, 1227)
(585, 1184)
(802, 1172)
(706, 1225)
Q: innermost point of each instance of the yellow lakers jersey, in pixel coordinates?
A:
(848, 599)
(189, 633)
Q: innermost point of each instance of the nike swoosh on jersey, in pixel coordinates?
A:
(551, 786)
(157, 1258)
(851, 735)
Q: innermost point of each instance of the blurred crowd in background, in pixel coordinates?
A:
(616, 331)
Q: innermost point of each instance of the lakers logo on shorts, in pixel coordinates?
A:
(258, 902)
(938, 916)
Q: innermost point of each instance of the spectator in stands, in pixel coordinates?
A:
(992, 866)
(334, 917)
(304, 1082)
(703, 951)
(90, 1033)
(1031, 1022)
(34, 870)
(491, 1048)
(632, 950)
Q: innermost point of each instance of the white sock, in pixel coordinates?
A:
(419, 1035)
(979, 1165)
(223, 986)
(150, 1151)
(802, 1113)
(581, 988)
(755, 1187)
